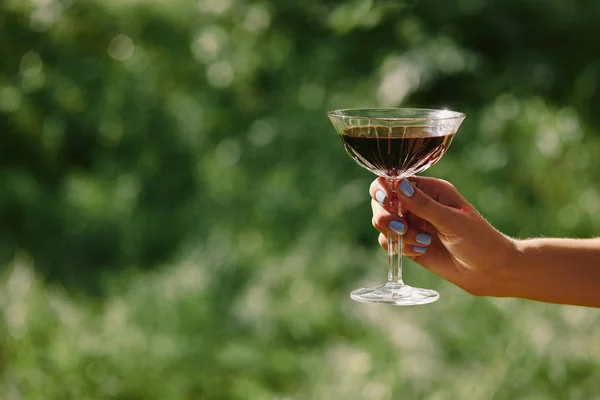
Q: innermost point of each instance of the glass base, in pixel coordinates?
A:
(396, 294)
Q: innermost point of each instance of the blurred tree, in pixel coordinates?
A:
(127, 127)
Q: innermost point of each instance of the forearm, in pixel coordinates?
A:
(563, 271)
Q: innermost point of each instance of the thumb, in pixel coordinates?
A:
(422, 205)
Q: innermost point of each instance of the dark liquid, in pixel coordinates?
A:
(395, 152)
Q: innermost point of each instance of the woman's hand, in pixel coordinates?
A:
(446, 235)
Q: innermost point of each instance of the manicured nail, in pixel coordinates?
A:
(380, 196)
(406, 188)
(397, 226)
(423, 238)
(419, 249)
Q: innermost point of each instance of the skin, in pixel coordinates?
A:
(467, 251)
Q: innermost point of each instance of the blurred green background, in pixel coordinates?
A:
(178, 219)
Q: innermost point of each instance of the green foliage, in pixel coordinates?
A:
(174, 160)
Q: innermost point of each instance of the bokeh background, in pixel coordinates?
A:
(178, 219)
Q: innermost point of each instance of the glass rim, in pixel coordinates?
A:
(446, 114)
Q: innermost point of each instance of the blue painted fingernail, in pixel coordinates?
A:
(423, 238)
(406, 188)
(419, 249)
(380, 196)
(397, 226)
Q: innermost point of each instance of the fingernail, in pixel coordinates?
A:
(419, 249)
(406, 188)
(423, 238)
(380, 196)
(397, 226)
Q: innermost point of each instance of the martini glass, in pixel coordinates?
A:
(395, 143)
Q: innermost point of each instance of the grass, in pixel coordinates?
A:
(285, 330)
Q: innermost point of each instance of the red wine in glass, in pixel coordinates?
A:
(390, 153)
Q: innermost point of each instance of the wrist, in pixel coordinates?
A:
(510, 274)
(516, 265)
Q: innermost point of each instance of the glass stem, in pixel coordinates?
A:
(394, 239)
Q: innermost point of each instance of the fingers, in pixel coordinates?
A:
(436, 259)
(440, 190)
(383, 241)
(418, 234)
(380, 191)
(383, 220)
(416, 238)
(416, 201)
(409, 248)
(430, 204)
